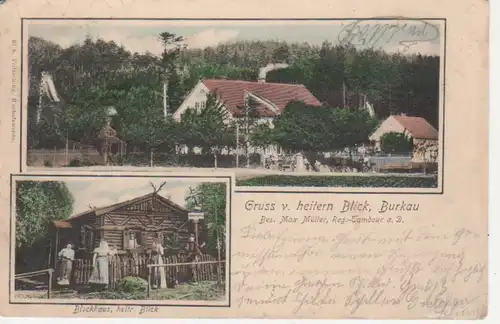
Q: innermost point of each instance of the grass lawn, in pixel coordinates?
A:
(371, 181)
(206, 290)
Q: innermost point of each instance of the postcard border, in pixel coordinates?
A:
(23, 168)
(229, 206)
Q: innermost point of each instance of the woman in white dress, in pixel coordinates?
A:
(100, 262)
(159, 278)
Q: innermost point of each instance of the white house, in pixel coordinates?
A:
(268, 99)
(272, 97)
(425, 136)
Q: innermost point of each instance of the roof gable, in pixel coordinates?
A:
(418, 127)
(128, 203)
(232, 94)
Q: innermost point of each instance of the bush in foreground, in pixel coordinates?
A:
(132, 285)
(341, 181)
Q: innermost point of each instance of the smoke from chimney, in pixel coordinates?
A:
(268, 68)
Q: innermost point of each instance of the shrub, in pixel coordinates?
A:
(341, 181)
(80, 162)
(47, 163)
(394, 143)
(74, 163)
(132, 285)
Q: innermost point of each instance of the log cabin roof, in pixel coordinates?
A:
(106, 209)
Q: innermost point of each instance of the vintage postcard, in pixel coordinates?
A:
(126, 239)
(224, 159)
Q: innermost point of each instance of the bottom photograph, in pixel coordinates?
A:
(121, 238)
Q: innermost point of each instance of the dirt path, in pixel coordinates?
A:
(240, 173)
(206, 290)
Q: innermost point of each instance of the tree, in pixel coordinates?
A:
(311, 129)
(95, 74)
(301, 128)
(281, 54)
(395, 143)
(172, 47)
(301, 72)
(329, 72)
(44, 135)
(141, 122)
(212, 198)
(85, 116)
(348, 128)
(208, 127)
(42, 56)
(37, 204)
(262, 135)
(189, 129)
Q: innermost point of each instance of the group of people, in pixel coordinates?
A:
(102, 257)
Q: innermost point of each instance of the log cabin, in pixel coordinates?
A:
(129, 226)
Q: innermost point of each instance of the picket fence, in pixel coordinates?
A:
(121, 266)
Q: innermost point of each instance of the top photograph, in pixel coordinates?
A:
(315, 105)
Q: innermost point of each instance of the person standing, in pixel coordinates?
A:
(100, 263)
(132, 240)
(194, 254)
(66, 258)
(157, 253)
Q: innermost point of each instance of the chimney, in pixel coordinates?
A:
(268, 68)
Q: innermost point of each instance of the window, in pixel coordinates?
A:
(133, 239)
(199, 105)
(88, 238)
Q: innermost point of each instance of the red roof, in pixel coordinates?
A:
(418, 127)
(231, 92)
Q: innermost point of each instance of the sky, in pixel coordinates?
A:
(101, 192)
(403, 36)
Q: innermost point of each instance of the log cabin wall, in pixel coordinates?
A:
(147, 219)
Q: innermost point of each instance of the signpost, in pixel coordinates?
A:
(195, 216)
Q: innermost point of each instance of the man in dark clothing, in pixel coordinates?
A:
(194, 254)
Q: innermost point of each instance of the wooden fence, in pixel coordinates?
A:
(176, 269)
(203, 269)
(25, 279)
(61, 157)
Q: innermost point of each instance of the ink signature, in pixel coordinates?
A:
(374, 35)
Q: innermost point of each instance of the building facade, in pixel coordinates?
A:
(266, 100)
(129, 226)
(424, 136)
